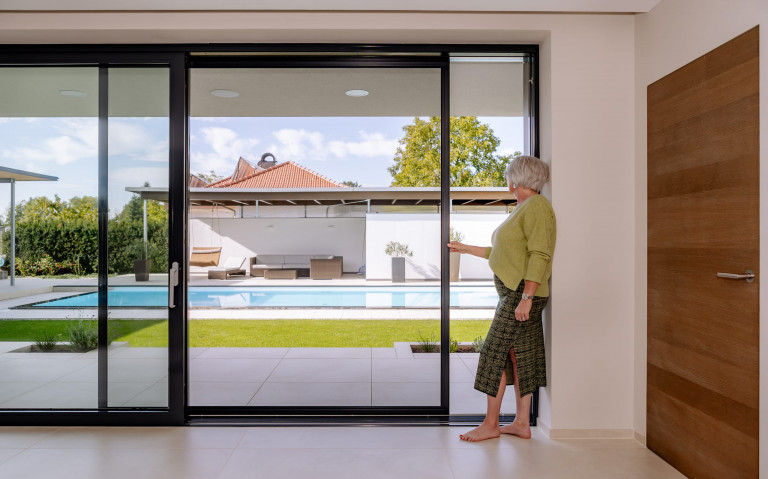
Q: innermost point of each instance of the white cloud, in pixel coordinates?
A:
(136, 141)
(77, 139)
(298, 145)
(372, 144)
(227, 148)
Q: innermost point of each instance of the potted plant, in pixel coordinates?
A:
(455, 257)
(141, 262)
(398, 252)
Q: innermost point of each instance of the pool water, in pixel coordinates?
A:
(290, 297)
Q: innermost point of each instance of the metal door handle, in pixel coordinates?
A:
(173, 281)
(749, 276)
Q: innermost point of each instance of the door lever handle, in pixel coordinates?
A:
(749, 276)
(173, 281)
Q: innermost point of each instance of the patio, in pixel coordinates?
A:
(242, 377)
(220, 376)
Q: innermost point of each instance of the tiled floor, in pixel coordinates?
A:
(243, 377)
(313, 452)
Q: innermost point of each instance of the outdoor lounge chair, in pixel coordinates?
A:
(233, 266)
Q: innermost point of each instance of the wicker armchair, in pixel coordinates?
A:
(326, 268)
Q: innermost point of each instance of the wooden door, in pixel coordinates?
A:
(703, 218)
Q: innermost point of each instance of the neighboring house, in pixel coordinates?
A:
(356, 229)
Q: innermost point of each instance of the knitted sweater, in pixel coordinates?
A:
(523, 245)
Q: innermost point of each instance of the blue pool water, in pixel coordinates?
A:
(290, 297)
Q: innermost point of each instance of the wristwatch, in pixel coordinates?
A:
(526, 296)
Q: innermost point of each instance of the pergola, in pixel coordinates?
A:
(9, 175)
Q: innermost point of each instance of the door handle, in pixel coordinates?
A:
(749, 276)
(173, 281)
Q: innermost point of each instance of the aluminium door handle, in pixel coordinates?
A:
(173, 281)
(749, 276)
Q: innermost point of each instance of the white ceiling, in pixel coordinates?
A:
(477, 89)
(607, 6)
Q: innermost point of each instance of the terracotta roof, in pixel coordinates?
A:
(284, 175)
(196, 182)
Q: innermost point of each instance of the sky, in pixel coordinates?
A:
(345, 148)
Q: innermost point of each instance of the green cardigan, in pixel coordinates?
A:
(523, 245)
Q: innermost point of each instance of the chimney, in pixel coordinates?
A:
(265, 162)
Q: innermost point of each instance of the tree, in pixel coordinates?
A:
(210, 177)
(353, 184)
(473, 158)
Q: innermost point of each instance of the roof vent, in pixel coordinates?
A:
(265, 162)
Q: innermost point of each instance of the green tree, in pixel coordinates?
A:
(473, 158)
(353, 184)
(210, 177)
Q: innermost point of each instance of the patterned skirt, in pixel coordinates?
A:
(526, 338)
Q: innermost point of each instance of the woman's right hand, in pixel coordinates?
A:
(456, 247)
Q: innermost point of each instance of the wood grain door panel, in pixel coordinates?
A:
(703, 218)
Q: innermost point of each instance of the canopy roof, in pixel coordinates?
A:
(331, 196)
(8, 174)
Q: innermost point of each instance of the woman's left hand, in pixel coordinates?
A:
(523, 310)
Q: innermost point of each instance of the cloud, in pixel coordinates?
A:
(298, 145)
(227, 148)
(303, 145)
(372, 144)
(76, 139)
(136, 141)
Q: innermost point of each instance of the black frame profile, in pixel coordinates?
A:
(180, 58)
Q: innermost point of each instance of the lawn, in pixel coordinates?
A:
(261, 333)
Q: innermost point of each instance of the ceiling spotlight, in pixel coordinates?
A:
(73, 93)
(225, 93)
(357, 93)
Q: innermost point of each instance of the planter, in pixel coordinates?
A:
(398, 270)
(141, 269)
(455, 264)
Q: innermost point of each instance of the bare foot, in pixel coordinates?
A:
(516, 429)
(481, 433)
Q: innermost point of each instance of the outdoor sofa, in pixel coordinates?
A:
(318, 266)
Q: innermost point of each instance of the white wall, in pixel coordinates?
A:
(673, 34)
(253, 236)
(421, 232)
(587, 130)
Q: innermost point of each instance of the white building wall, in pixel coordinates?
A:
(673, 34)
(421, 232)
(253, 236)
(587, 119)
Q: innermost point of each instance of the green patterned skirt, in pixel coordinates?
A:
(525, 337)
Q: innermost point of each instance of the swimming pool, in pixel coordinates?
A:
(288, 297)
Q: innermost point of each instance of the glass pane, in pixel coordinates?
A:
(138, 237)
(488, 113)
(307, 182)
(48, 126)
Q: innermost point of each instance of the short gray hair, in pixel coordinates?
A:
(527, 171)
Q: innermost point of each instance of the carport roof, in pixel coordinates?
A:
(494, 196)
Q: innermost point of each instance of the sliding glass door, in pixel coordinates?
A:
(321, 188)
(86, 318)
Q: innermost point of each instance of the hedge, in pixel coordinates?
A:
(50, 247)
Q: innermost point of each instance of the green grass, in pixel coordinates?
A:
(262, 333)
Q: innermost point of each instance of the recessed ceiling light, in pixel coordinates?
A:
(74, 93)
(225, 93)
(357, 93)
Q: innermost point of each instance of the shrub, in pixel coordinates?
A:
(83, 336)
(397, 250)
(478, 344)
(46, 341)
(428, 344)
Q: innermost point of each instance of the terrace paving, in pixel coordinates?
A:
(242, 377)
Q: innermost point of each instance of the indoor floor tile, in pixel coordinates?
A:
(337, 464)
(116, 463)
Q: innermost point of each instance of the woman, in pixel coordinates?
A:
(521, 260)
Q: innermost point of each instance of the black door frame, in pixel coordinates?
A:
(180, 58)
